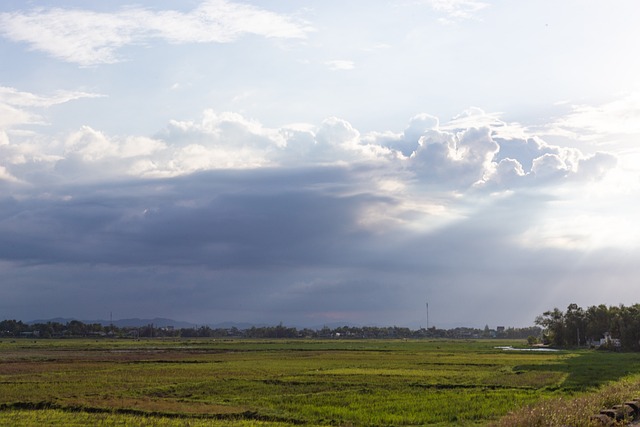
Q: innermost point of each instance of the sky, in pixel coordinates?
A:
(318, 162)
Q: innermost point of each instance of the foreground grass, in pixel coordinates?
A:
(573, 410)
(53, 417)
(312, 382)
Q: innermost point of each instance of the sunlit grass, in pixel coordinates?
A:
(50, 417)
(573, 410)
(310, 382)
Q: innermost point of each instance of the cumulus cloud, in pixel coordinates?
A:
(474, 150)
(596, 166)
(475, 117)
(90, 145)
(90, 38)
(337, 132)
(218, 140)
(448, 156)
(549, 166)
(459, 160)
(408, 141)
(26, 153)
(531, 161)
(507, 172)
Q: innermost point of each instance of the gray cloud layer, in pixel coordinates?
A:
(276, 245)
(224, 219)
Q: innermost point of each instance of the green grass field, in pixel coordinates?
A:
(304, 382)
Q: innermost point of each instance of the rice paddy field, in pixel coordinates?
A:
(305, 382)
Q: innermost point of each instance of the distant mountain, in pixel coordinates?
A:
(62, 320)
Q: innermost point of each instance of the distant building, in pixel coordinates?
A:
(606, 341)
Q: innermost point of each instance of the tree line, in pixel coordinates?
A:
(577, 327)
(76, 329)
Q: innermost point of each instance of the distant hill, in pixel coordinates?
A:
(62, 320)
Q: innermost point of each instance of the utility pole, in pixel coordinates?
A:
(427, 316)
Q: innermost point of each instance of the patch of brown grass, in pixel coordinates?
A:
(572, 411)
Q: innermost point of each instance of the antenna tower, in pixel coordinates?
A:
(427, 315)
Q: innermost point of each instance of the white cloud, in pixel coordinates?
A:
(549, 166)
(138, 146)
(12, 96)
(17, 107)
(23, 152)
(459, 160)
(408, 141)
(4, 138)
(6, 176)
(336, 141)
(340, 65)
(480, 150)
(337, 132)
(31, 152)
(76, 36)
(597, 166)
(226, 128)
(585, 221)
(456, 10)
(507, 173)
(605, 122)
(11, 116)
(90, 144)
(218, 141)
(89, 38)
(477, 118)
(448, 157)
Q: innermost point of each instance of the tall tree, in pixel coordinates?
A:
(552, 322)
(575, 326)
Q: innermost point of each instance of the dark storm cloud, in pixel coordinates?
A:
(276, 245)
(216, 219)
(220, 243)
(363, 229)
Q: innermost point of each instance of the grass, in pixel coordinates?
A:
(52, 417)
(574, 410)
(291, 382)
